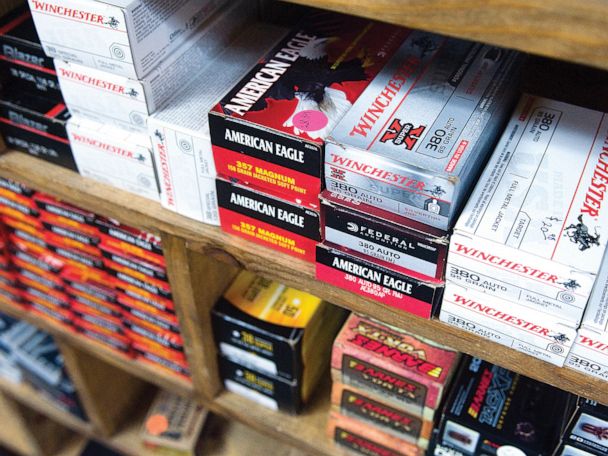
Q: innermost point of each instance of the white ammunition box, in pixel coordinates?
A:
(113, 156)
(537, 334)
(126, 102)
(125, 37)
(180, 130)
(415, 140)
(589, 353)
(534, 228)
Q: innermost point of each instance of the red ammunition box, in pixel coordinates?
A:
(131, 291)
(268, 221)
(53, 206)
(149, 357)
(353, 273)
(134, 263)
(396, 368)
(138, 279)
(358, 438)
(355, 403)
(120, 343)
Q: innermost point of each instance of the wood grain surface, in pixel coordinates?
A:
(575, 31)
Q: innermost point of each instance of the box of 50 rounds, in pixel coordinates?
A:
(490, 408)
(37, 126)
(542, 335)
(414, 141)
(273, 392)
(355, 403)
(113, 156)
(394, 367)
(534, 227)
(391, 241)
(268, 221)
(127, 102)
(353, 272)
(589, 354)
(24, 62)
(126, 37)
(180, 130)
(268, 132)
(356, 438)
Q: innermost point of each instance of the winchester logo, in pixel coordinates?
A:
(73, 13)
(403, 134)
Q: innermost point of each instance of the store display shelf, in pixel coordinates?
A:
(558, 29)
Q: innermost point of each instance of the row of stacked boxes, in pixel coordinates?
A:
(395, 124)
(106, 280)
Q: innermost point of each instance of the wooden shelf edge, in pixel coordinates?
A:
(212, 241)
(137, 368)
(576, 33)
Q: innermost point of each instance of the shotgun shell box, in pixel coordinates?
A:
(535, 333)
(24, 62)
(127, 103)
(396, 368)
(490, 408)
(271, 328)
(353, 272)
(393, 242)
(532, 229)
(180, 130)
(355, 403)
(272, 392)
(37, 126)
(416, 139)
(173, 422)
(268, 131)
(125, 37)
(113, 156)
(587, 429)
(357, 438)
(589, 353)
(268, 221)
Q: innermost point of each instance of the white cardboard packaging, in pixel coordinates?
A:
(535, 222)
(113, 156)
(180, 130)
(127, 102)
(589, 353)
(523, 329)
(124, 37)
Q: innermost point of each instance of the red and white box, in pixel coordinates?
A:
(534, 227)
(126, 37)
(366, 352)
(589, 354)
(353, 272)
(354, 437)
(113, 156)
(542, 335)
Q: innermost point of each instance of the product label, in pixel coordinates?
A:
(401, 424)
(267, 221)
(386, 384)
(362, 445)
(375, 282)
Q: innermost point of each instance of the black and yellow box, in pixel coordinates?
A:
(276, 330)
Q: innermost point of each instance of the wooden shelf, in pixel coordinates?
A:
(211, 241)
(144, 371)
(573, 31)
